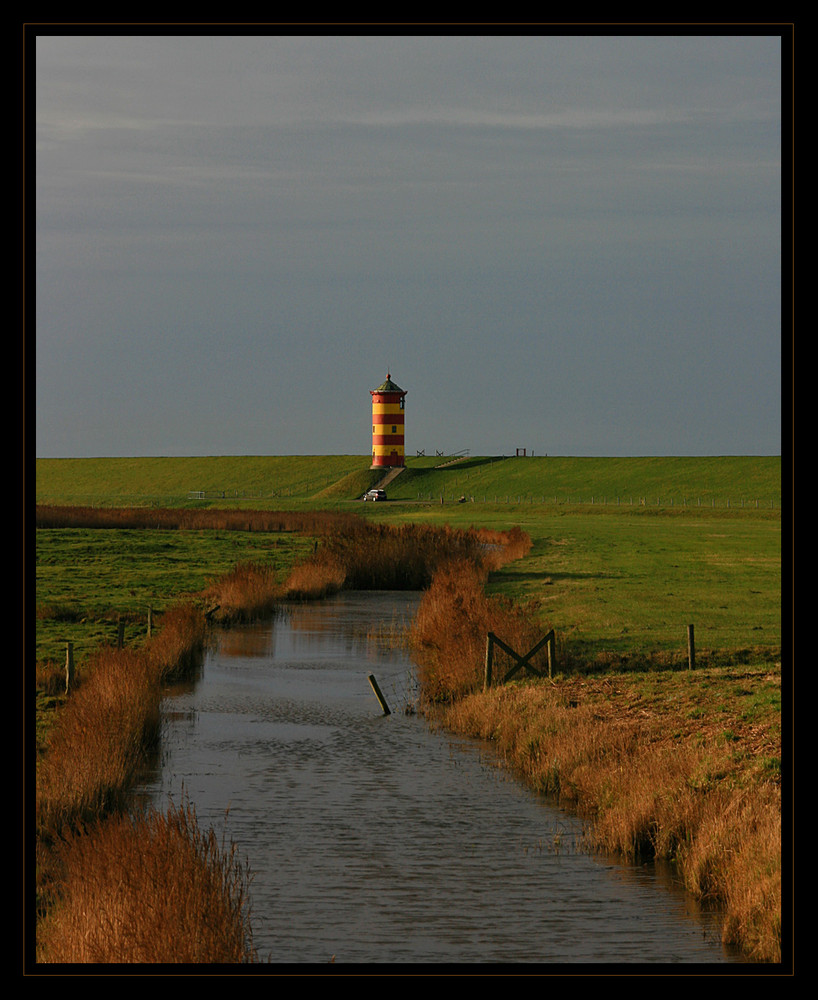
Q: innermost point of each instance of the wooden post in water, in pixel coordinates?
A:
(378, 695)
(691, 649)
(69, 666)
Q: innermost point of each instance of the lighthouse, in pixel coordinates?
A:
(387, 425)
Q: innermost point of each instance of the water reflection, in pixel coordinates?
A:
(322, 630)
(373, 838)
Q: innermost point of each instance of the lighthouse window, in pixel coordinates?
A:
(394, 429)
(401, 403)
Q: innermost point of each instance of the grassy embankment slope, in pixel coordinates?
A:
(167, 482)
(335, 478)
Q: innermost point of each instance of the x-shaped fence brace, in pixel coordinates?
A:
(520, 661)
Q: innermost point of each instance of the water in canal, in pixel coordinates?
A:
(372, 838)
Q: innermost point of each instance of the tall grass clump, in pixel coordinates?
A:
(365, 556)
(321, 575)
(110, 722)
(249, 591)
(98, 741)
(176, 651)
(97, 892)
(148, 888)
(501, 547)
(406, 557)
(448, 635)
(736, 857)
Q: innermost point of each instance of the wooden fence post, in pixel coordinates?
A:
(489, 661)
(120, 634)
(522, 662)
(69, 666)
(150, 621)
(691, 649)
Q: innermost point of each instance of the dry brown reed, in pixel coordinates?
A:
(736, 857)
(319, 576)
(648, 784)
(309, 522)
(98, 740)
(365, 556)
(110, 721)
(175, 651)
(448, 635)
(502, 547)
(103, 894)
(406, 557)
(152, 888)
(249, 591)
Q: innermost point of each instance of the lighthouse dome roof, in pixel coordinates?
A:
(388, 385)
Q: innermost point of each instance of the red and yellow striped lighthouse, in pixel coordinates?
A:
(387, 424)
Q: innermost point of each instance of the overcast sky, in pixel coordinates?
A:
(568, 244)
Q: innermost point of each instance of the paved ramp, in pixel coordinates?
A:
(388, 478)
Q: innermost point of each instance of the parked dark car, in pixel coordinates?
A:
(375, 495)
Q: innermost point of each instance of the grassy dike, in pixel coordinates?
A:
(684, 765)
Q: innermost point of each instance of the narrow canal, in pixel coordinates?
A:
(373, 839)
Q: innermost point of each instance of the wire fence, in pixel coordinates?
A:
(601, 500)
(400, 690)
(509, 498)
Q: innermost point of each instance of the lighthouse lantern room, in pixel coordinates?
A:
(387, 425)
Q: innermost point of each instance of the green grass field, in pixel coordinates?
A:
(630, 580)
(612, 574)
(88, 579)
